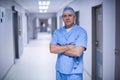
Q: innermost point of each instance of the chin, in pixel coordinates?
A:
(68, 24)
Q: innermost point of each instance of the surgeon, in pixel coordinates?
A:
(69, 42)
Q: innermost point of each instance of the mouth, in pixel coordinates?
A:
(67, 21)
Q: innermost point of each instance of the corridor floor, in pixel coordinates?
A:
(36, 62)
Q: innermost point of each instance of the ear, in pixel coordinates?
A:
(74, 17)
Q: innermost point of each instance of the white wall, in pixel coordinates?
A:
(85, 9)
(24, 24)
(7, 46)
(6, 41)
(108, 39)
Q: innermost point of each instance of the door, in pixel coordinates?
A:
(97, 43)
(117, 42)
(77, 17)
(17, 28)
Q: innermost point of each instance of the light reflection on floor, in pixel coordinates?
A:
(36, 63)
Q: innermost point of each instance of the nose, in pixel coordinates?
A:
(67, 17)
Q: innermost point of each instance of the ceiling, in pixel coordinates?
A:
(32, 5)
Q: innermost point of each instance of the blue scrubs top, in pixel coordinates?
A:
(76, 36)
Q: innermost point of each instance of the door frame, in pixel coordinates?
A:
(117, 49)
(94, 40)
(77, 17)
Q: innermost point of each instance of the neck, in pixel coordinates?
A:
(67, 27)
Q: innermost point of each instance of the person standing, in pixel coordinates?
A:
(69, 42)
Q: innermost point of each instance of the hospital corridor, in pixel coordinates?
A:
(36, 63)
(27, 27)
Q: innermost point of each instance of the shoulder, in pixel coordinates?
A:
(59, 30)
(80, 29)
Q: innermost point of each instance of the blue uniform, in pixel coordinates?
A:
(76, 36)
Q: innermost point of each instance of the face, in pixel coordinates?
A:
(68, 19)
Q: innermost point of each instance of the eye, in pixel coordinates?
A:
(70, 15)
(64, 16)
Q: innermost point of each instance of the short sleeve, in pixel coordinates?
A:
(82, 39)
(54, 38)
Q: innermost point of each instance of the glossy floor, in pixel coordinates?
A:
(36, 63)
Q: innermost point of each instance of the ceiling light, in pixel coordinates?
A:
(41, 11)
(43, 6)
(45, 11)
(48, 3)
(40, 3)
(44, 2)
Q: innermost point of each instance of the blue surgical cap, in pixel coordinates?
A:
(69, 9)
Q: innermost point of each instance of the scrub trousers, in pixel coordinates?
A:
(61, 76)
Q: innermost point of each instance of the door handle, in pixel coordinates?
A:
(96, 43)
(117, 51)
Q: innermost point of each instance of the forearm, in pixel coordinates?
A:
(76, 51)
(69, 50)
(58, 49)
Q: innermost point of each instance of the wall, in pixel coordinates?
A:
(31, 25)
(6, 42)
(7, 54)
(109, 39)
(85, 9)
(24, 28)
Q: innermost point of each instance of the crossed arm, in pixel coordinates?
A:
(70, 50)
